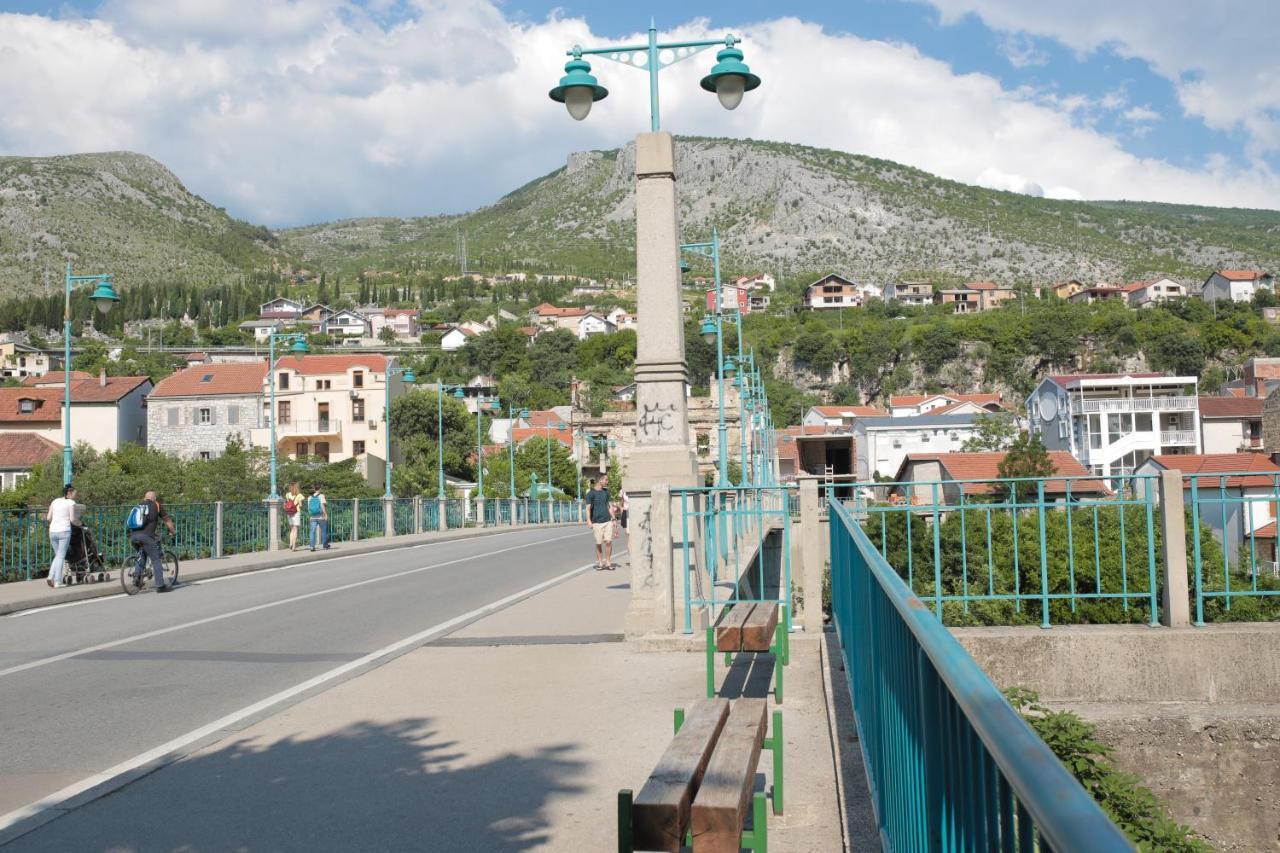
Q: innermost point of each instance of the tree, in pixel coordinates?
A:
(1027, 457)
(387, 335)
(553, 356)
(815, 348)
(1178, 353)
(991, 432)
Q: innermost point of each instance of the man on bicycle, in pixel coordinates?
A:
(144, 535)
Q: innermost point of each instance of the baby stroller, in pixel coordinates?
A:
(85, 563)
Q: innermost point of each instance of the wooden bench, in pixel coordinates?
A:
(702, 788)
(750, 626)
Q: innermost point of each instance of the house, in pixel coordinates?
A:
(315, 313)
(20, 452)
(911, 405)
(1152, 292)
(280, 308)
(909, 292)
(18, 361)
(1231, 424)
(1235, 285)
(1235, 493)
(1114, 422)
(262, 329)
(107, 412)
(924, 475)
(759, 281)
(882, 443)
(788, 455)
(593, 324)
(1066, 289)
(732, 298)
(992, 295)
(757, 303)
(832, 291)
(1098, 293)
(330, 407)
(194, 412)
(346, 324)
(974, 297)
(840, 416)
(456, 338)
(403, 322)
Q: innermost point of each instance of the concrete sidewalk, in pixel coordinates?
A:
(514, 732)
(28, 595)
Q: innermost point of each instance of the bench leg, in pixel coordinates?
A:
(757, 837)
(777, 687)
(775, 745)
(625, 840)
(679, 719)
(711, 662)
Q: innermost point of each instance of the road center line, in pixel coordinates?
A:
(234, 717)
(266, 606)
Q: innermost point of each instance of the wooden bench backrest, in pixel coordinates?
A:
(729, 631)
(723, 798)
(660, 813)
(749, 626)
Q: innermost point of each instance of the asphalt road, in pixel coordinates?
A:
(90, 689)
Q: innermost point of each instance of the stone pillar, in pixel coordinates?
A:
(273, 524)
(480, 502)
(811, 555)
(417, 514)
(1175, 606)
(218, 533)
(550, 516)
(444, 518)
(355, 520)
(663, 455)
(389, 517)
(513, 511)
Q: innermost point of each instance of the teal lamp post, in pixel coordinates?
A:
(104, 297)
(557, 425)
(512, 414)
(495, 404)
(441, 390)
(729, 77)
(712, 329)
(406, 373)
(298, 348)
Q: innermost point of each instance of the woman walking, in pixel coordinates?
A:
(293, 509)
(60, 516)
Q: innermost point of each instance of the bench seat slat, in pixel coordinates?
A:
(759, 628)
(729, 631)
(720, 808)
(660, 812)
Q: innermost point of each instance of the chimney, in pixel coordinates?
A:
(102, 376)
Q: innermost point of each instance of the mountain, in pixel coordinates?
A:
(800, 210)
(114, 212)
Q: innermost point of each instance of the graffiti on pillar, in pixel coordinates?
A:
(657, 420)
(646, 549)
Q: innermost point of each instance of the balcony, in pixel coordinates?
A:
(294, 428)
(1134, 404)
(1178, 437)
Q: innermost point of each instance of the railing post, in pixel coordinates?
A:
(442, 520)
(811, 555)
(480, 508)
(389, 517)
(417, 513)
(513, 519)
(1175, 607)
(550, 514)
(273, 525)
(217, 529)
(355, 519)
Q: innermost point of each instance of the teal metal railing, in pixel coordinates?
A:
(723, 534)
(402, 510)
(950, 764)
(373, 521)
(430, 514)
(25, 550)
(341, 520)
(1021, 550)
(454, 513)
(1233, 546)
(245, 526)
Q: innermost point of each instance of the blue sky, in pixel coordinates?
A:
(289, 111)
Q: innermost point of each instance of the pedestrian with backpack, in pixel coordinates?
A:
(293, 509)
(141, 524)
(318, 513)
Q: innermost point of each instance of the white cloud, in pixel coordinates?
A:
(1141, 114)
(322, 110)
(1021, 51)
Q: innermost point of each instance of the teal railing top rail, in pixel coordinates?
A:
(1064, 815)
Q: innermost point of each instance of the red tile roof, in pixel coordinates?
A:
(788, 448)
(1266, 531)
(1237, 392)
(54, 377)
(1231, 407)
(851, 411)
(322, 364)
(986, 466)
(1241, 275)
(48, 408)
(1208, 465)
(24, 450)
(896, 400)
(522, 434)
(213, 380)
(982, 285)
(84, 388)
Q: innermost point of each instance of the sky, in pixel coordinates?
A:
(289, 112)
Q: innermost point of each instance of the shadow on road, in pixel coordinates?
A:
(367, 787)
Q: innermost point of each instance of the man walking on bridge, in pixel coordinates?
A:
(601, 522)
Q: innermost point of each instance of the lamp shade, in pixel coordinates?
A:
(408, 376)
(684, 267)
(458, 393)
(578, 90)
(524, 413)
(104, 296)
(730, 78)
(495, 404)
(299, 348)
(708, 329)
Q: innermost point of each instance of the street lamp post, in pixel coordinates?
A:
(104, 297)
(441, 390)
(713, 328)
(407, 375)
(298, 348)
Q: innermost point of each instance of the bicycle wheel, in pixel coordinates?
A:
(130, 578)
(170, 561)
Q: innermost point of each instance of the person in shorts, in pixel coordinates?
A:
(293, 509)
(600, 519)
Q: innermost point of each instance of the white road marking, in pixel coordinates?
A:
(234, 717)
(22, 667)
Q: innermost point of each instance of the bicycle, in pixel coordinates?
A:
(136, 570)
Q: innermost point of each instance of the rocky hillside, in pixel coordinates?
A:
(115, 212)
(797, 210)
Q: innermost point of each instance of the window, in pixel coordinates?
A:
(357, 409)
(173, 416)
(26, 405)
(283, 381)
(1142, 422)
(233, 415)
(302, 449)
(704, 443)
(357, 448)
(323, 384)
(357, 379)
(205, 455)
(204, 417)
(322, 450)
(20, 478)
(208, 377)
(284, 412)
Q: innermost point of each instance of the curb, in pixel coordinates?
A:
(89, 591)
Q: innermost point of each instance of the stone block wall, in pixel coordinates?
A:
(231, 416)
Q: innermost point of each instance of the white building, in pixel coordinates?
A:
(882, 443)
(456, 338)
(1231, 424)
(840, 416)
(759, 281)
(593, 324)
(1235, 285)
(107, 412)
(832, 291)
(1148, 294)
(346, 324)
(1114, 422)
(911, 405)
(909, 292)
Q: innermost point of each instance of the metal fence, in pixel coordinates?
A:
(402, 516)
(372, 514)
(1232, 529)
(951, 765)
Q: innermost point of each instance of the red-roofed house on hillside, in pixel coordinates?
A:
(403, 322)
(1100, 292)
(106, 412)
(912, 405)
(1152, 292)
(1236, 285)
(1231, 424)
(1249, 482)
(974, 297)
(19, 453)
(731, 299)
(920, 471)
(194, 412)
(840, 416)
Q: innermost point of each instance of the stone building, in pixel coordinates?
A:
(194, 412)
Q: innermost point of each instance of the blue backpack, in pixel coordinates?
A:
(313, 505)
(137, 517)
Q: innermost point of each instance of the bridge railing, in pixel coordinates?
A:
(951, 765)
(1233, 545)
